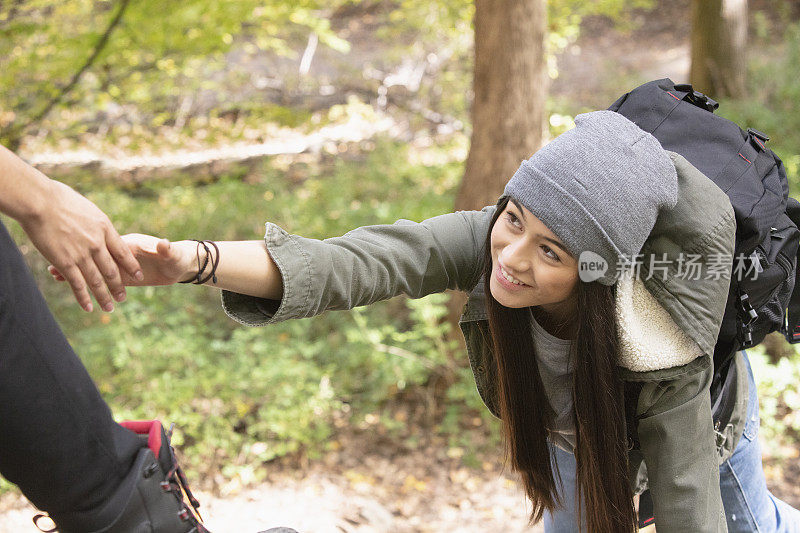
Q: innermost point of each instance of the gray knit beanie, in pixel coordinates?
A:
(599, 188)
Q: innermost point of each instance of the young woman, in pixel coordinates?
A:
(599, 373)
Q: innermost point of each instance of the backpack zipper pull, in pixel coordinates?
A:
(747, 308)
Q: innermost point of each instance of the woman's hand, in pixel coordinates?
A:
(162, 262)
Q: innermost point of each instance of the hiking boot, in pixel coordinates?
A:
(154, 497)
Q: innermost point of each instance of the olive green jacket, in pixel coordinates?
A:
(680, 449)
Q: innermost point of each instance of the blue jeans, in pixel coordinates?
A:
(749, 505)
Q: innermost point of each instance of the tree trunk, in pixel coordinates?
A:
(719, 38)
(510, 87)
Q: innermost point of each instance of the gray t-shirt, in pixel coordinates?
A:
(555, 369)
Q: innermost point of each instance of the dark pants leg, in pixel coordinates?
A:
(58, 442)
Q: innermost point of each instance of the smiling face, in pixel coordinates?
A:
(543, 273)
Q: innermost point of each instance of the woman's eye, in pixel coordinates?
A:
(548, 249)
(512, 219)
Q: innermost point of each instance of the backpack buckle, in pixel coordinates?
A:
(744, 305)
(696, 97)
(756, 133)
(758, 139)
(704, 101)
(746, 317)
(745, 335)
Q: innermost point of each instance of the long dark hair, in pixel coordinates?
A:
(599, 416)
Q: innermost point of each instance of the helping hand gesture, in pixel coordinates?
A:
(162, 262)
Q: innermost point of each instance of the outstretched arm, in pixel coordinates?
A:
(367, 265)
(69, 231)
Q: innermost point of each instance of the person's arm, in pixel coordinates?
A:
(289, 276)
(69, 231)
(366, 265)
(678, 445)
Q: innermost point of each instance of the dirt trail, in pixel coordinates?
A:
(458, 501)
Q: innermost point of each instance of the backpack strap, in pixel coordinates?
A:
(646, 514)
(632, 391)
(791, 324)
(723, 393)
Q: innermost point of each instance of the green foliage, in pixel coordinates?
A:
(165, 58)
(159, 53)
(779, 401)
(565, 16)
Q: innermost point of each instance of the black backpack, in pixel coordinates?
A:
(754, 179)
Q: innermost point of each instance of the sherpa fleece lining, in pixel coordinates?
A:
(649, 337)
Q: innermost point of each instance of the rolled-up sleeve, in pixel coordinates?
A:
(366, 265)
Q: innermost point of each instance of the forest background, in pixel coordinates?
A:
(204, 119)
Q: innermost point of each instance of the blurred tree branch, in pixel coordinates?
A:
(16, 131)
